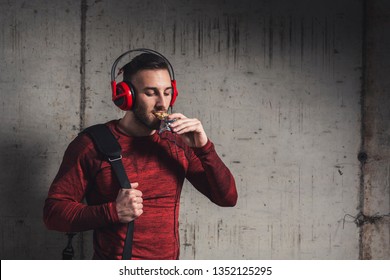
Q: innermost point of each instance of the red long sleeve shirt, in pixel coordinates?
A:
(159, 163)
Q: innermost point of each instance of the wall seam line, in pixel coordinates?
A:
(362, 155)
(83, 95)
(82, 63)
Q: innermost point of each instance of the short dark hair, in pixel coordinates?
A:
(144, 61)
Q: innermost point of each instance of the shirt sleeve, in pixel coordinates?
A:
(208, 174)
(64, 209)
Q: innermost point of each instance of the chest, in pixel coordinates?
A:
(159, 170)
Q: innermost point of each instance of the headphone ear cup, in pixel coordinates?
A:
(124, 97)
(174, 93)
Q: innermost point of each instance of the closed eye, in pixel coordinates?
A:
(149, 93)
(168, 92)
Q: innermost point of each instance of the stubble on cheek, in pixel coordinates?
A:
(147, 119)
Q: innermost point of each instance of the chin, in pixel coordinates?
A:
(153, 123)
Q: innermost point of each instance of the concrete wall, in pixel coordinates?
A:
(289, 91)
(375, 182)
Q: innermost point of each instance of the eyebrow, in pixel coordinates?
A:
(155, 89)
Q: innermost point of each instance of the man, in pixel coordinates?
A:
(155, 163)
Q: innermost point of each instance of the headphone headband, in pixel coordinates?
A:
(113, 68)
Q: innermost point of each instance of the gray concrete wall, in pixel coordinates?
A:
(375, 182)
(289, 91)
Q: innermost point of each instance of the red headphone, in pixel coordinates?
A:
(123, 93)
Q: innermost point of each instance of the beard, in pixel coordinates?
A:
(144, 117)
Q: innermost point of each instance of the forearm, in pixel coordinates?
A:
(214, 179)
(70, 216)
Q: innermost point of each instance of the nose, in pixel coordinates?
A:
(162, 101)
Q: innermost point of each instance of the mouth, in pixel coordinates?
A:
(161, 115)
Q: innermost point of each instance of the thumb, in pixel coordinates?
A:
(134, 185)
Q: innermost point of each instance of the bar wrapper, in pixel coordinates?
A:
(165, 125)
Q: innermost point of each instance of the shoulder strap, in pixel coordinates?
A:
(104, 140)
(106, 143)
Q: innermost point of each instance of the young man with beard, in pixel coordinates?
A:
(155, 163)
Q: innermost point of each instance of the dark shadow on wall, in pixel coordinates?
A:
(24, 172)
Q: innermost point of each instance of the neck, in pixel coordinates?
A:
(131, 126)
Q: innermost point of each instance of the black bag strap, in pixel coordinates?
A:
(106, 143)
(68, 252)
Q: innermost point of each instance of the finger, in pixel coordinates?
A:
(137, 201)
(138, 206)
(135, 193)
(138, 213)
(182, 122)
(128, 191)
(130, 194)
(176, 116)
(186, 126)
(137, 210)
